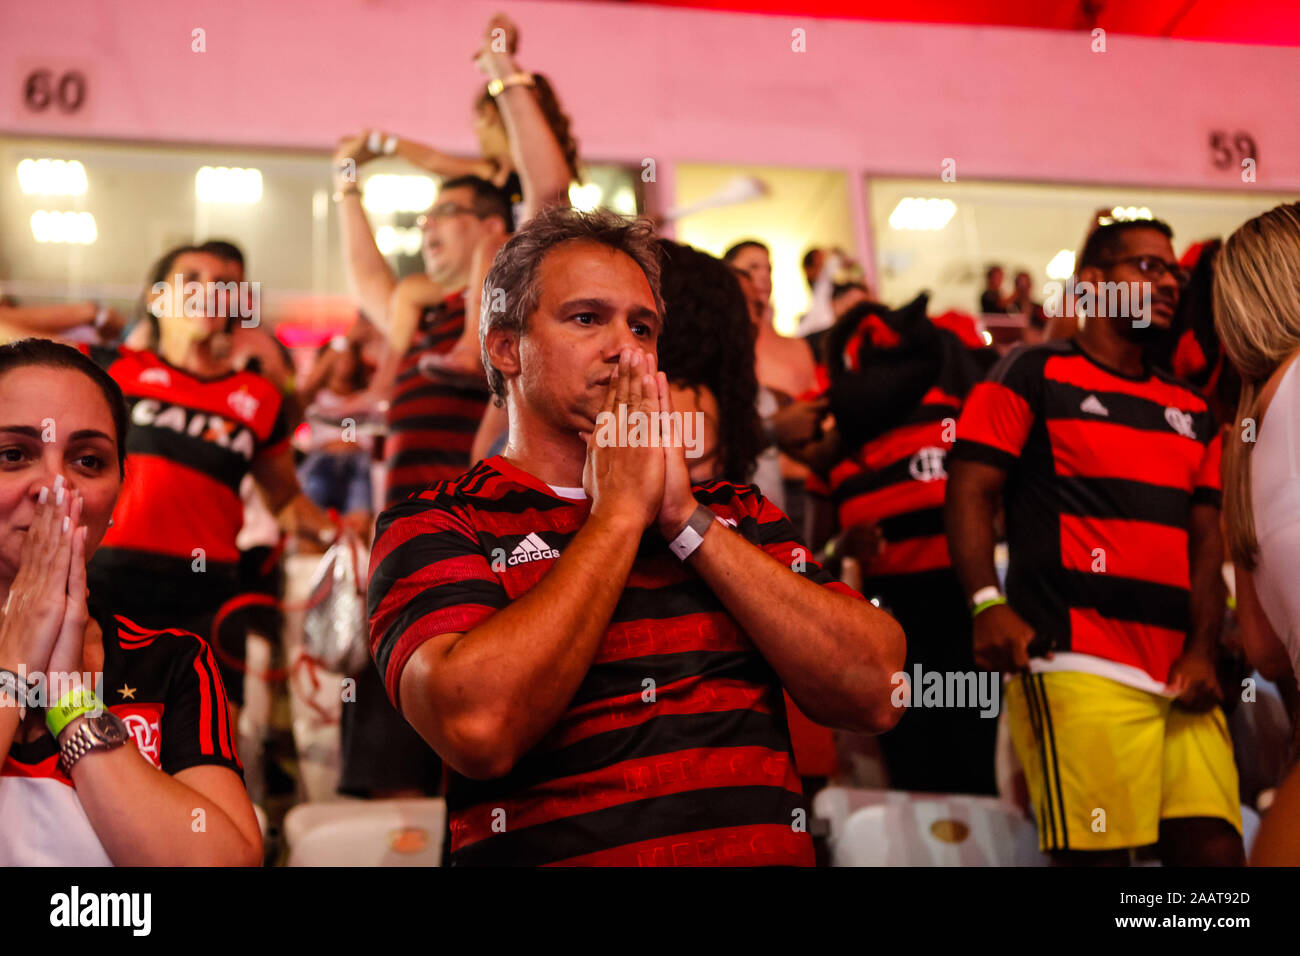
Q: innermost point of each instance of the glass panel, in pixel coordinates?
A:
(1019, 226)
(802, 208)
(145, 199)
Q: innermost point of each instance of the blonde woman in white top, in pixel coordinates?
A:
(1257, 315)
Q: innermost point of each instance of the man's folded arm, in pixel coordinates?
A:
(480, 677)
(835, 653)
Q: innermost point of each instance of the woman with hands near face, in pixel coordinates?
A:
(117, 739)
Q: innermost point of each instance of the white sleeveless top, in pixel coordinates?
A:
(1275, 499)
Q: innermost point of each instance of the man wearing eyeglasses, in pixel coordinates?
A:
(432, 418)
(1108, 471)
(431, 421)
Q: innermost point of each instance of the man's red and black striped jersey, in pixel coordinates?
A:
(431, 421)
(1102, 471)
(698, 771)
(166, 688)
(898, 480)
(191, 442)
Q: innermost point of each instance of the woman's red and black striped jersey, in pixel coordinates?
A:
(674, 750)
(191, 442)
(897, 480)
(166, 688)
(431, 421)
(1102, 471)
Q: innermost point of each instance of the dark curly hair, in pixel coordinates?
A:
(708, 340)
(556, 119)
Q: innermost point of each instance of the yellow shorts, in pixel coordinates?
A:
(1105, 762)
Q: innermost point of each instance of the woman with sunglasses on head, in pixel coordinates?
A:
(80, 783)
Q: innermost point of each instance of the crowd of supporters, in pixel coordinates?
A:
(656, 651)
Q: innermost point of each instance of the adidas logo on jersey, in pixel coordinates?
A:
(156, 376)
(1093, 406)
(532, 548)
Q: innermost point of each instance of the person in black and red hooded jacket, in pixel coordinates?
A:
(897, 382)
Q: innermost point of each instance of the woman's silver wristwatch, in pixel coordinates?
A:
(104, 732)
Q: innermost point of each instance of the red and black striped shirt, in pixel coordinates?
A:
(898, 480)
(166, 688)
(191, 442)
(701, 774)
(1102, 471)
(431, 421)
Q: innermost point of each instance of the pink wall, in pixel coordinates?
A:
(668, 84)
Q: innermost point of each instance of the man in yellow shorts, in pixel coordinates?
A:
(1111, 767)
(1108, 471)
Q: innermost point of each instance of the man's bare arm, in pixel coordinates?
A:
(1209, 593)
(1001, 637)
(970, 509)
(834, 654)
(408, 301)
(370, 280)
(484, 698)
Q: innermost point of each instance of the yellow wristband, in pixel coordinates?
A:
(985, 605)
(73, 704)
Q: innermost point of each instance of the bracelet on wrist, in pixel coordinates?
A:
(691, 536)
(829, 551)
(75, 703)
(986, 604)
(497, 86)
(14, 684)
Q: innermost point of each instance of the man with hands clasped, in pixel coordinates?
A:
(595, 646)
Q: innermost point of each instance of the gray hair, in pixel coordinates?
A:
(512, 288)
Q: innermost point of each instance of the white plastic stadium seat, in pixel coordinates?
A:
(894, 828)
(366, 833)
